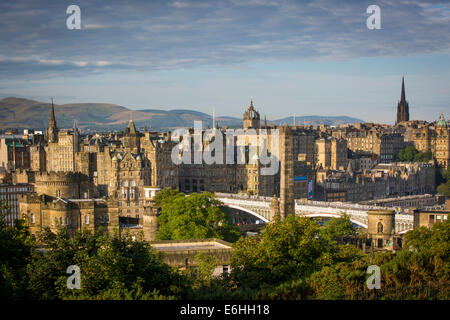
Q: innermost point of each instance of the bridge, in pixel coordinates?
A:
(259, 207)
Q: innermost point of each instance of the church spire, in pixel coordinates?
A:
(402, 106)
(52, 115)
(403, 97)
(52, 130)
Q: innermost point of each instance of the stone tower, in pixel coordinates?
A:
(251, 118)
(150, 221)
(287, 201)
(402, 106)
(131, 139)
(274, 209)
(381, 228)
(52, 130)
(442, 153)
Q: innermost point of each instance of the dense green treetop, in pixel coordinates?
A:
(196, 216)
(411, 154)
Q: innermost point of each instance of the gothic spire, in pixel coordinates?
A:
(131, 129)
(52, 115)
(403, 97)
(52, 130)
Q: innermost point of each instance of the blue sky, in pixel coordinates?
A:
(302, 57)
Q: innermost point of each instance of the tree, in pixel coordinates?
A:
(166, 195)
(446, 174)
(286, 250)
(444, 188)
(444, 180)
(112, 267)
(423, 156)
(338, 228)
(411, 154)
(197, 216)
(206, 264)
(407, 154)
(278, 264)
(16, 244)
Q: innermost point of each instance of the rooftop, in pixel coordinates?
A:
(197, 245)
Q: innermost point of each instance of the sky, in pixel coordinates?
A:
(302, 57)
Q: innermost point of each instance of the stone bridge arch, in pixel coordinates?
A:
(257, 215)
(333, 215)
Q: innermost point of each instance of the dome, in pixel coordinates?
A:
(441, 122)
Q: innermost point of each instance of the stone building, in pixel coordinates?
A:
(384, 180)
(14, 154)
(9, 196)
(426, 218)
(96, 215)
(386, 145)
(442, 153)
(331, 153)
(38, 160)
(183, 253)
(61, 153)
(381, 230)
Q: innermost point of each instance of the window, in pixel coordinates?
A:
(380, 243)
(32, 218)
(225, 269)
(86, 219)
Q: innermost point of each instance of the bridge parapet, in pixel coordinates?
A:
(260, 206)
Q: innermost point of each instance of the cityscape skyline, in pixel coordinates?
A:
(288, 57)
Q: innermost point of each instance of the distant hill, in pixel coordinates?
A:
(29, 114)
(317, 120)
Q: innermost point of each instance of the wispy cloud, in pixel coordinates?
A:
(157, 35)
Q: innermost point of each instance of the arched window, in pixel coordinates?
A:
(380, 227)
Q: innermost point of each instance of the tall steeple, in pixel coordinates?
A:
(402, 106)
(131, 129)
(52, 115)
(52, 130)
(403, 97)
